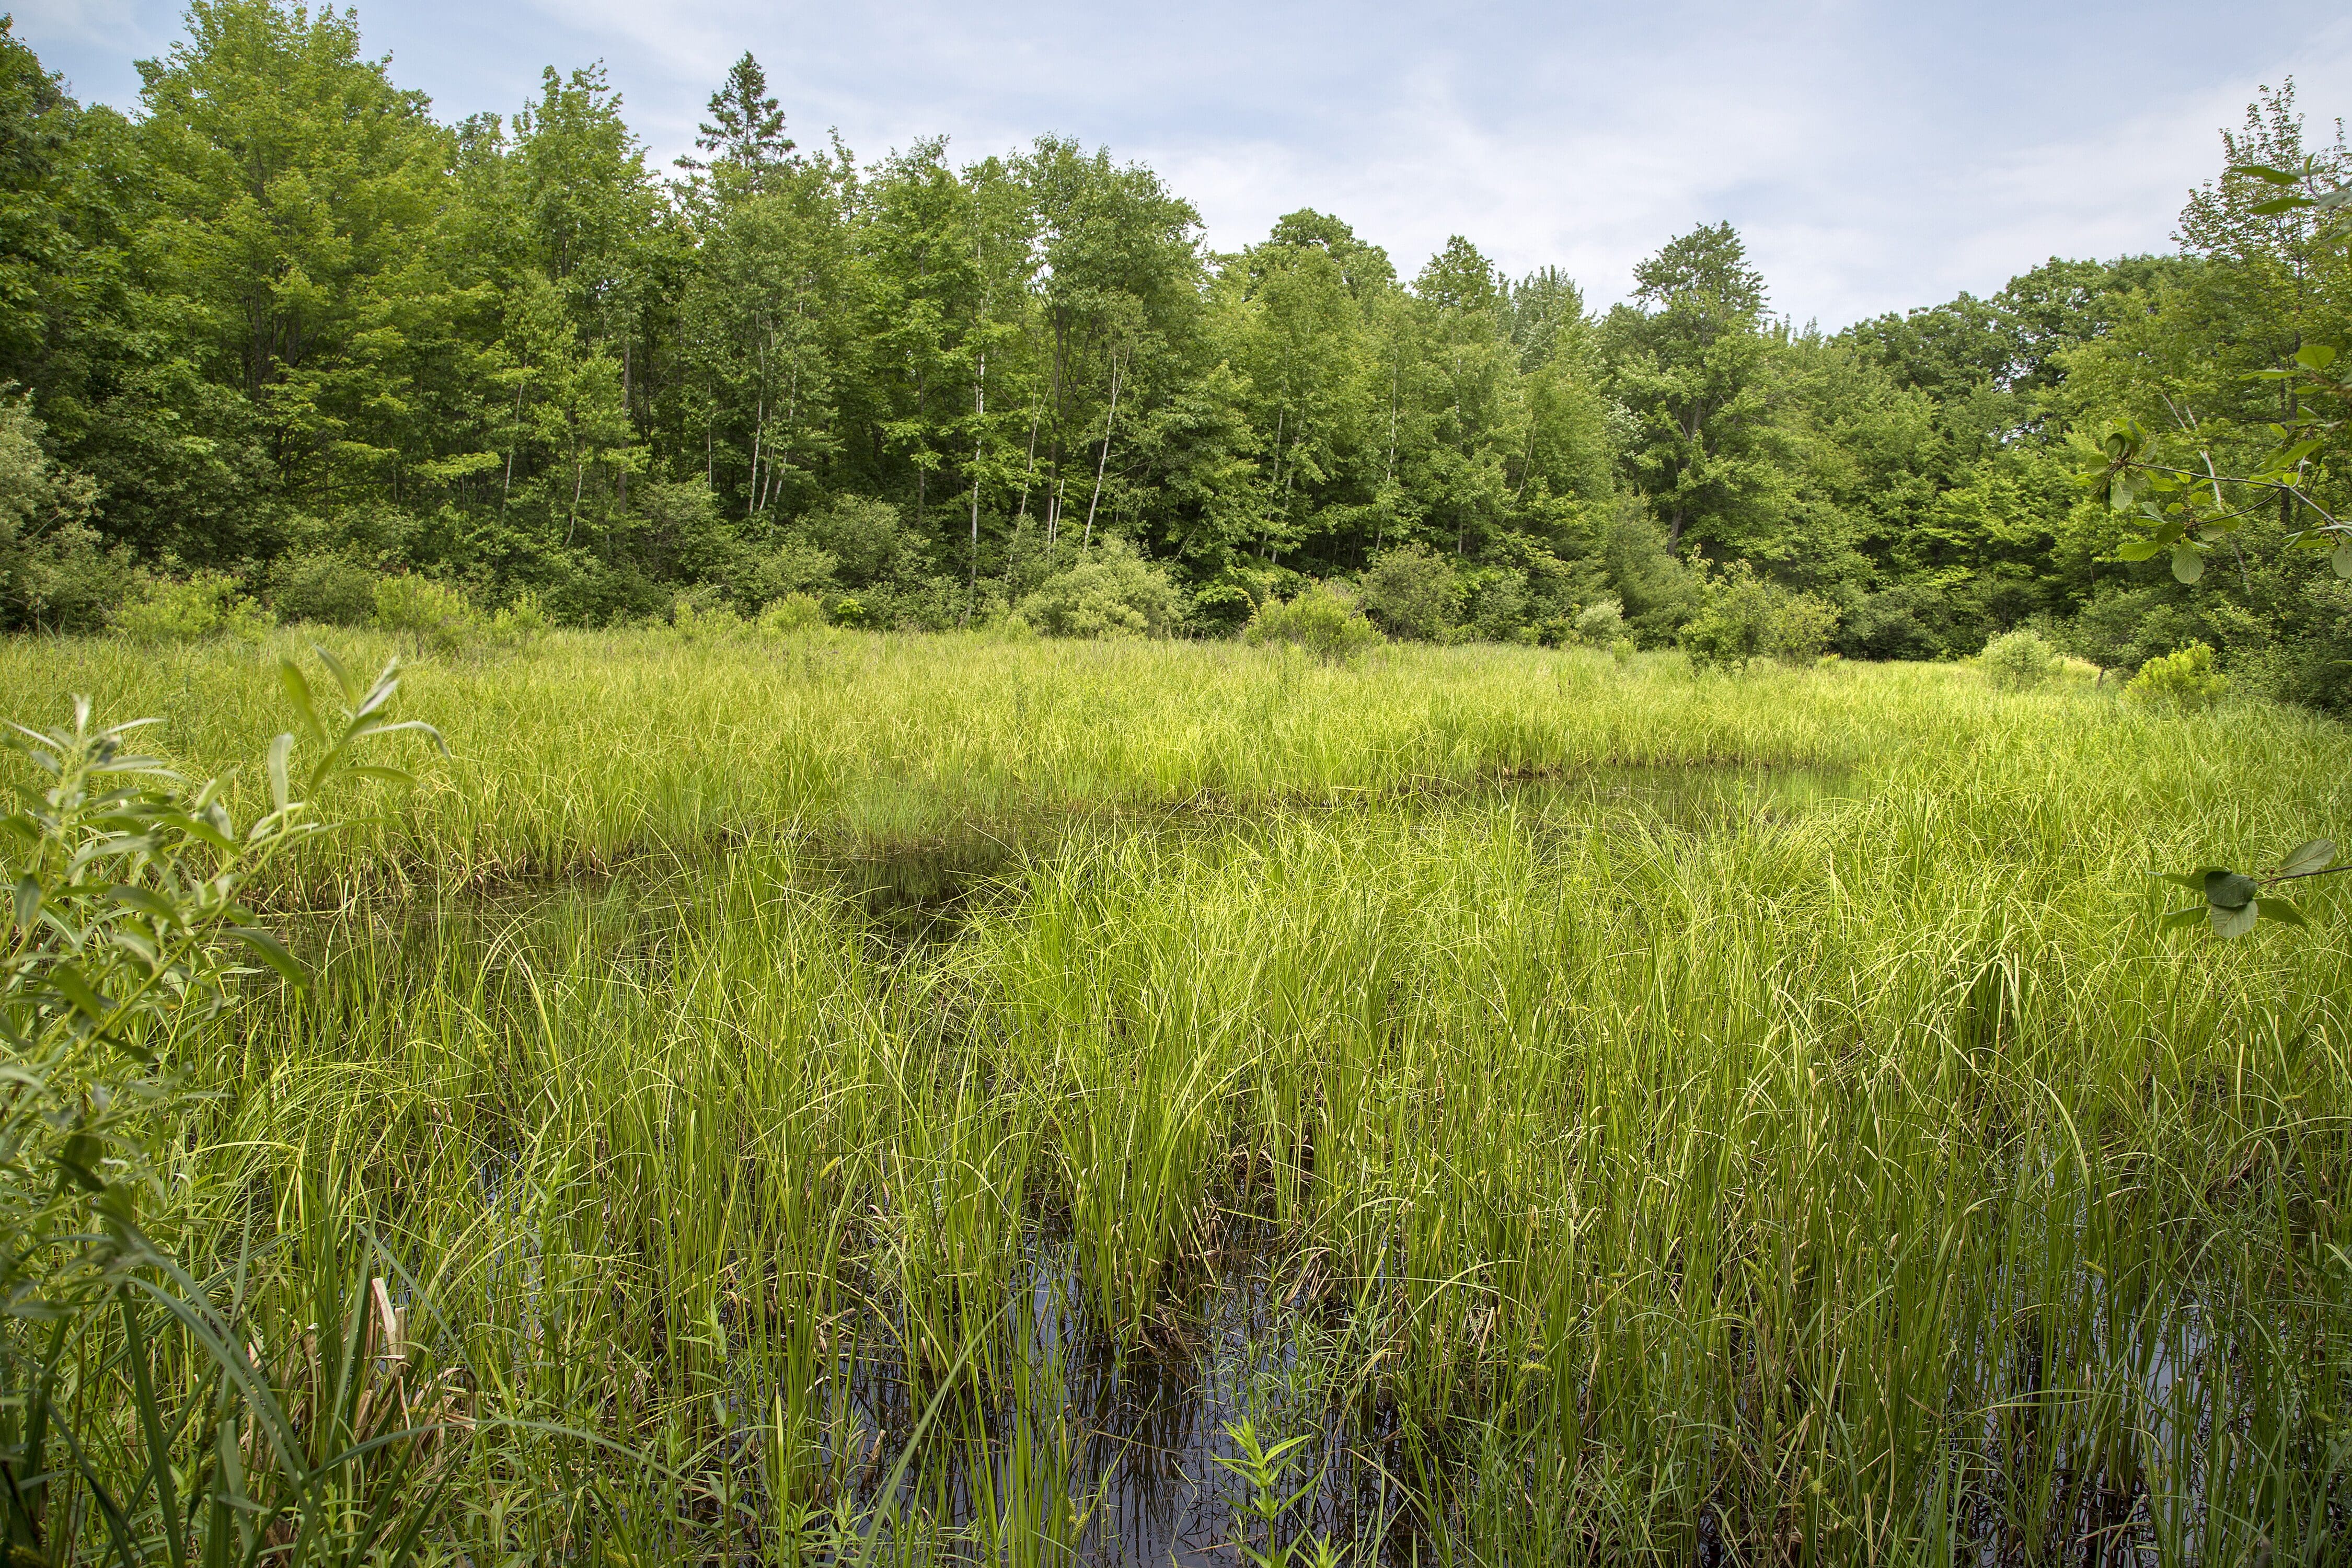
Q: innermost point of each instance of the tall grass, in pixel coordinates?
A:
(1653, 1115)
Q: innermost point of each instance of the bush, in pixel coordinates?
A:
(792, 613)
(1114, 593)
(2183, 679)
(1745, 617)
(323, 586)
(203, 605)
(2018, 659)
(795, 566)
(117, 1001)
(1412, 591)
(1599, 625)
(520, 620)
(1499, 609)
(1325, 620)
(862, 539)
(703, 618)
(53, 573)
(1659, 590)
(437, 616)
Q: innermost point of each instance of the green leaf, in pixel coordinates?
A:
(2305, 858)
(2232, 922)
(2314, 356)
(2229, 889)
(298, 692)
(2192, 880)
(2137, 549)
(281, 794)
(272, 952)
(68, 983)
(146, 901)
(2341, 559)
(2124, 492)
(28, 902)
(78, 1159)
(2179, 917)
(2266, 173)
(343, 677)
(2280, 910)
(2187, 565)
(2277, 205)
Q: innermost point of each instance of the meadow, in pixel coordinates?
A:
(920, 1099)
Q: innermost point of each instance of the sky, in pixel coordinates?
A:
(1875, 157)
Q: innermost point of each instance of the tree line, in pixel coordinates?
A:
(283, 328)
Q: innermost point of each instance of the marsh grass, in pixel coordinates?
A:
(1611, 1113)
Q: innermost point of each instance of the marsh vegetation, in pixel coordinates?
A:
(826, 1096)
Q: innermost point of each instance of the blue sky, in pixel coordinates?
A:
(1874, 156)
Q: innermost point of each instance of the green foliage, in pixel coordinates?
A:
(130, 948)
(792, 613)
(2183, 679)
(1163, 856)
(189, 609)
(1264, 1471)
(700, 619)
(288, 324)
(1412, 591)
(2233, 903)
(1112, 591)
(434, 616)
(324, 587)
(520, 621)
(1744, 617)
(1601, 624)
(1325, 620)
(2018, 659)
(54, 574)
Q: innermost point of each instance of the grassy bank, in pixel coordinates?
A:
(1612, 1113)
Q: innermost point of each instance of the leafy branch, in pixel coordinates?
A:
(2233, 902)
(2188, 506)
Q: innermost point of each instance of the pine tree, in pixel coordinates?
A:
(746, 128)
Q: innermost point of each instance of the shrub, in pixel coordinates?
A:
(1499, 609)
(2183, 679)
(437, 616)
(203, 605)
(1659, 589)
(1745, 617)
(117, 997)
(1412, 591)
(2018, 659)
(1601, 624)
(1113, 593)
(703, 618)
(795, 566)
(792, 613)
(53, 571)
(520, 620)
(863, 538)
(321, 586)
(1325, 620)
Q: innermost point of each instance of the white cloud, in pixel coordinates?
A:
(1874, 156)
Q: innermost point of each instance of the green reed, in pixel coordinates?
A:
(1669, 1113)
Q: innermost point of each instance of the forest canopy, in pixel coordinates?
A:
(283, 330)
